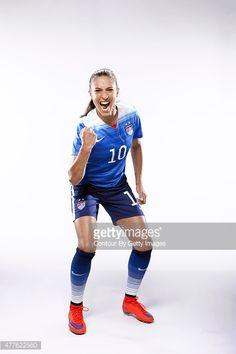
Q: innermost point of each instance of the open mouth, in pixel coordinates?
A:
(105, 106)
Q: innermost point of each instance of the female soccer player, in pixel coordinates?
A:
(105, 134)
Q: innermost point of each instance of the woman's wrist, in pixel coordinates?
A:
(86, 149)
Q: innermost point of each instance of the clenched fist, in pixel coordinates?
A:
(88, 138)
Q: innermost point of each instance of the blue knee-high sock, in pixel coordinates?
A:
(80, 268)
(137, 266)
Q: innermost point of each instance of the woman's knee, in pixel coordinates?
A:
(84, 230)
(86, 246)
(143, 248)
(143, 245)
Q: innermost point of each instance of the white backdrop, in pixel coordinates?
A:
(174, 60)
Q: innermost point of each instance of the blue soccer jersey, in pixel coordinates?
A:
(106, 164)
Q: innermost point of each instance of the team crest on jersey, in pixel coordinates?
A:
(129, 129)
(81, 204)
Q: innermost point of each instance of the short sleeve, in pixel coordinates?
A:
(77, 141)
(138, 132)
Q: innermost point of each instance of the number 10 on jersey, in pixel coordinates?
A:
(120, 155)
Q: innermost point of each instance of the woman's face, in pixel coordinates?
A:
(103, 92)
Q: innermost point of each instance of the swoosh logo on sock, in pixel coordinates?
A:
(78, 275)
(142, 269)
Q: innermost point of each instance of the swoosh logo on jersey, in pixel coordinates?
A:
(97, 141)
(78, 275)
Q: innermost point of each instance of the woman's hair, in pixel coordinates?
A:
(97, 73)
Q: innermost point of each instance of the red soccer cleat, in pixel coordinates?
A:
(76, 320)
(132, 307)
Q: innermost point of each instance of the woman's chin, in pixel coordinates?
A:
(104, 113)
